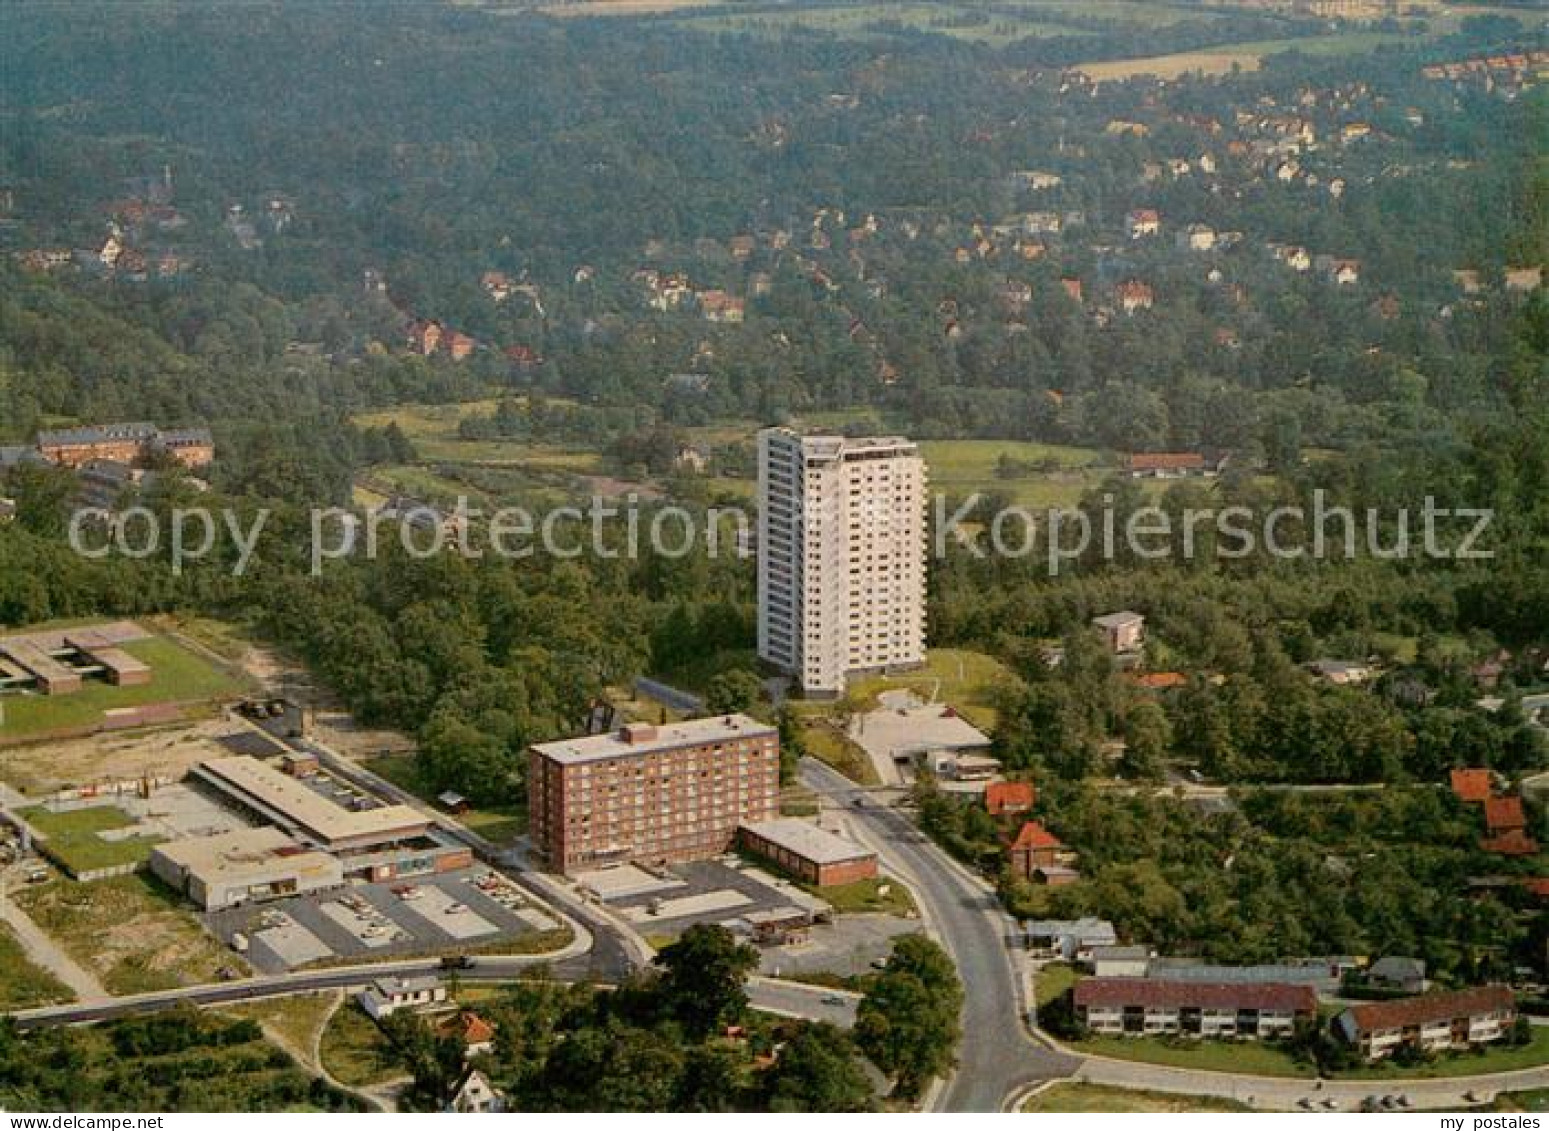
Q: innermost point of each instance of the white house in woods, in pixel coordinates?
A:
(475, 1095)
(1122, 631)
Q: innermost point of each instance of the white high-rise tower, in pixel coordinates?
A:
(841, 556)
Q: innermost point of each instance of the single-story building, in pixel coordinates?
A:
(1120, 961)
(386, 996)
(1071, 940)
(810, 853)
(246, 866)
(1395, 971)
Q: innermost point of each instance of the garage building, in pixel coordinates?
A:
(811, 854)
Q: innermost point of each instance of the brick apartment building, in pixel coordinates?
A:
(652, 794)
(1430, 1022)
(1152, 1007)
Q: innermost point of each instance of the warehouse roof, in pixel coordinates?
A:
(296, 803)
(807, 840)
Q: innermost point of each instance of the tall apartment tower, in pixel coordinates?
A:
(841, 556)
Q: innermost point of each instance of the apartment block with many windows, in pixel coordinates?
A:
(651, 794)
(841, 556)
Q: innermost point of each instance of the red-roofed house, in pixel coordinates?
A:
(477, 1033)
(1504, 814)
(1472, 784)
(1039, 854)
(1004, 797)
(1513, 843)
(1150, 1006)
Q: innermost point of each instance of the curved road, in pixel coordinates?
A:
(997, 1056)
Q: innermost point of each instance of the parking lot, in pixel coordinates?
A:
(471, 908)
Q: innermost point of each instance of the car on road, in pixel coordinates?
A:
(834, 999)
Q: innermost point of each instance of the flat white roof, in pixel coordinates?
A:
(693, 732)
(894, 731)
(243, 852)
(807, 840)
(309, 810)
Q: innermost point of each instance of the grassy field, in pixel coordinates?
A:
(959, 21)
(967, 680)
(23, 985)
(868, 896)
(298, 1020)
(355, 1052)
(1101, 1098)
(961, 467)
(499, 824)
(1248, 56)
(1254, 1058)
(827, 744)
(177, 676)
(130, 931)
(74, 837)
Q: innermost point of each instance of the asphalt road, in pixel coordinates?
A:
(996, 1056)
(789, 999)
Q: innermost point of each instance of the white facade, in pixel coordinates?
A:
(841, 556)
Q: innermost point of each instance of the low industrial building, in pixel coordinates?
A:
(1429, 1023)
(246, 866)
(811, 854)
(1151, 1007)
(294, 805)
(372, 842)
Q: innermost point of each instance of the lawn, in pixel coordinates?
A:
(131, 931)
(1252, 1058)
(879, 895)
(1052, 981)
(1096, 1098)
(177, 676)
(23, 985)
(966, 680)
(499, 824)
(1497, 1059)
(356, 1053)
(75, 840)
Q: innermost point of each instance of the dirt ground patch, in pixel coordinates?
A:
(167, 752)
